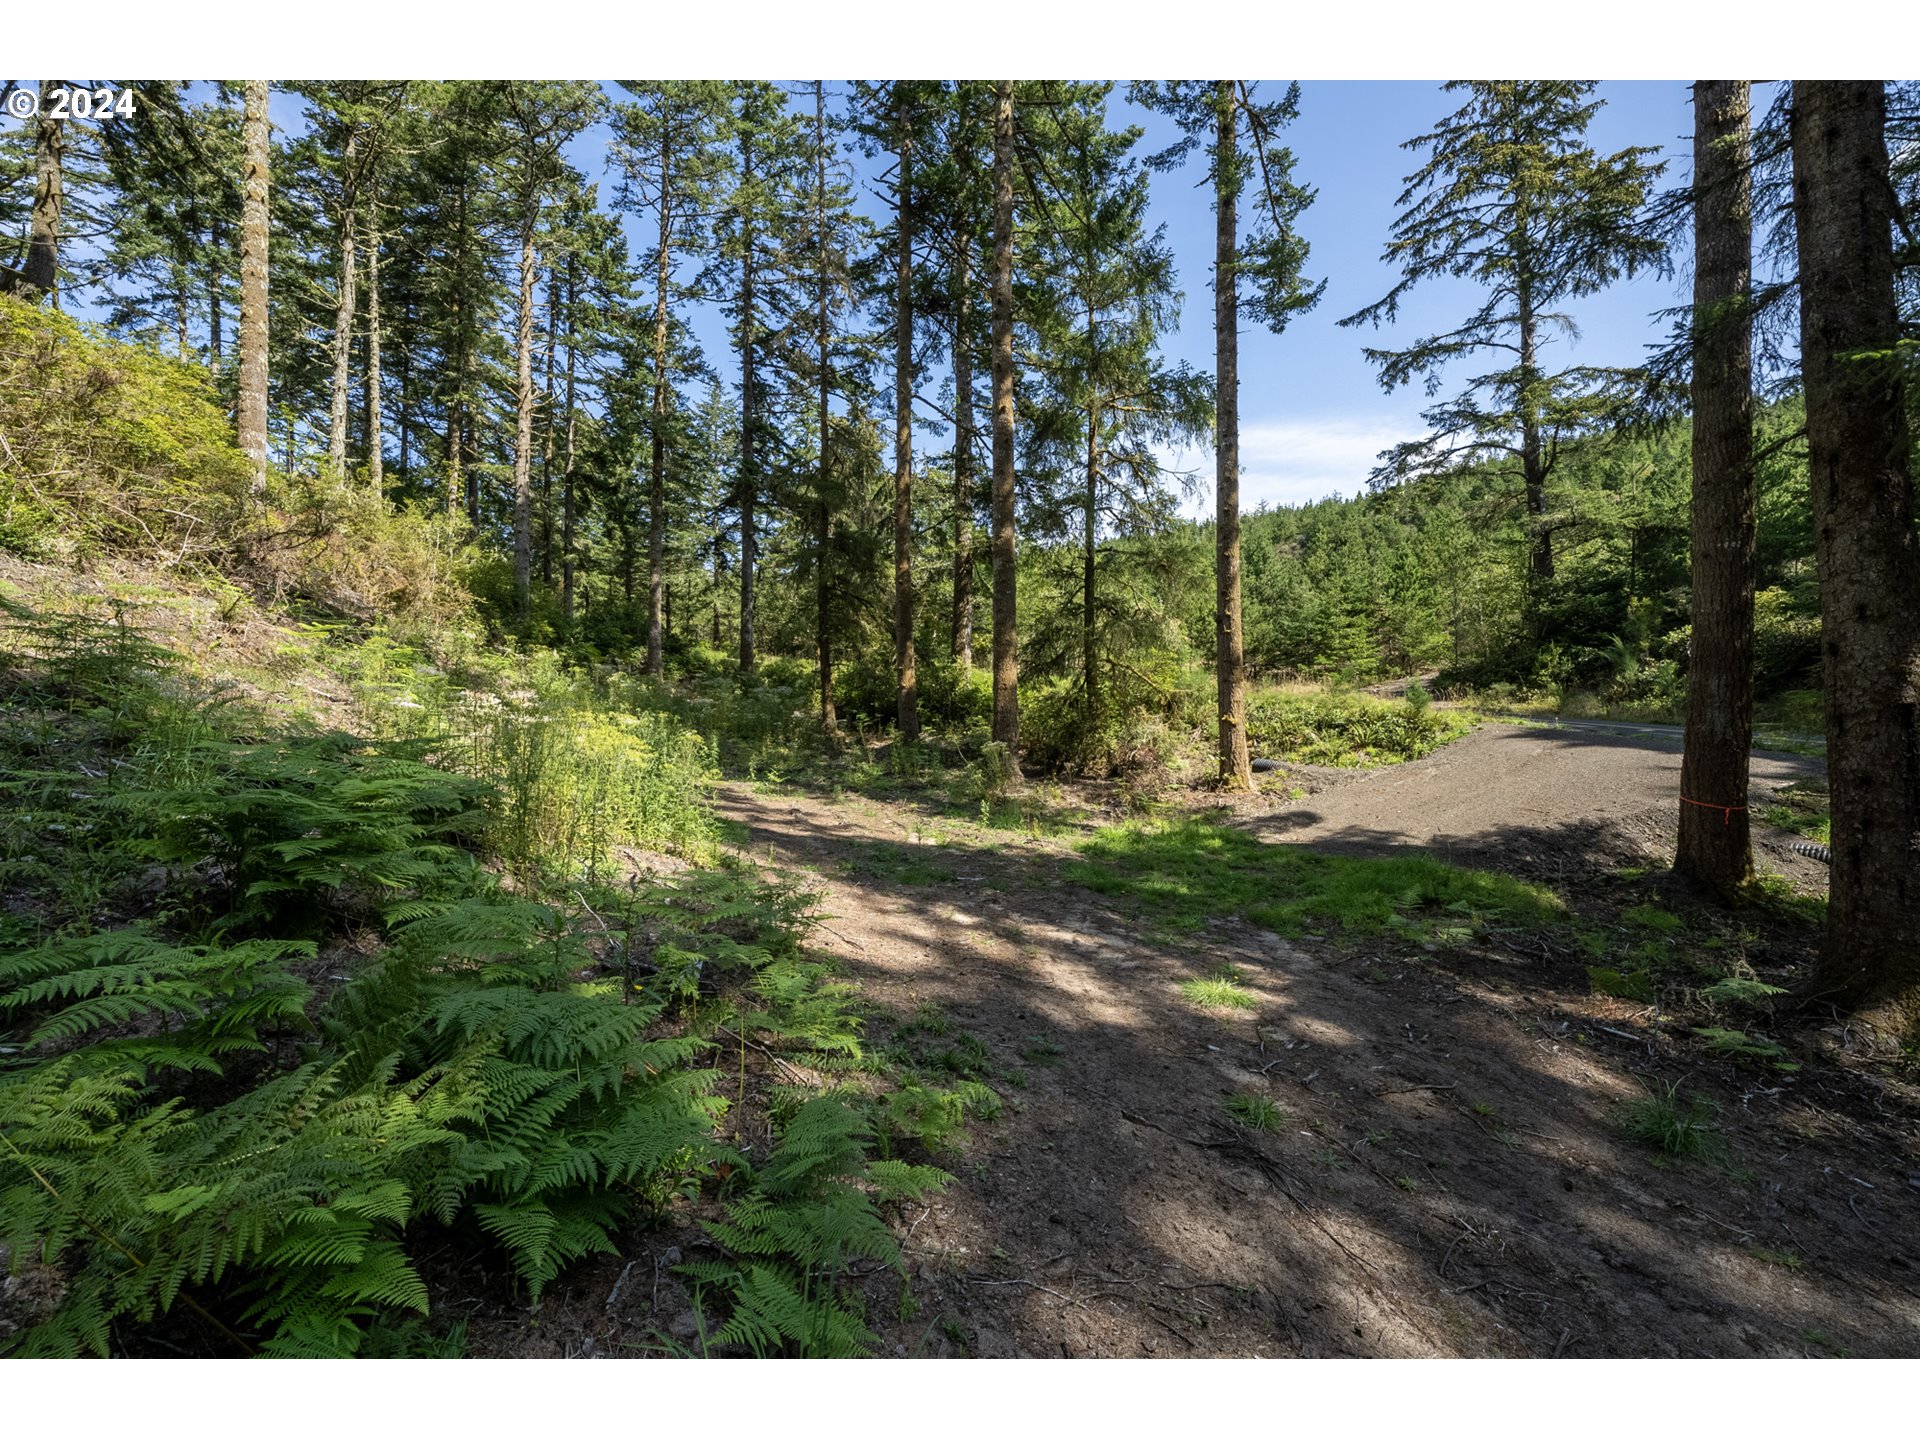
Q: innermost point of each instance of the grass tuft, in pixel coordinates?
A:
(1661, 1123)
(1256, 1112)
(1221, 990)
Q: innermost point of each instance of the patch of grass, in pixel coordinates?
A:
(1776, 895)
(1043, 1050)
(899, 864)
(1652, 917)
(1188, 873)
(1680, 1132)
(1256, 1112)
(1220, 991)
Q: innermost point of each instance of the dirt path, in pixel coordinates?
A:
(1531, 798)
(1448, 1178)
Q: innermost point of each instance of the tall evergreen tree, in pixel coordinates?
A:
(1513, 197)
(1866, 544)
(1273, 256)
(1107, 298)
(667, 146)
(252, 408)
(1006, 652)
(542, 117)
(1714, 848)
(756, 255)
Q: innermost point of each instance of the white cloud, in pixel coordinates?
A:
(1291, 462)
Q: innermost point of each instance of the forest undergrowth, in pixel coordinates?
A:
(283, 1004)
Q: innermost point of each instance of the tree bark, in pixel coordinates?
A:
(41, 272)
(657, 474)
(909, 690)
(963, 454)
(749, 414)
(343, 318)
(1089, 670)
(1533, 464)
(216, 341)
(547, 430)
(1865, 545)
(1006, 652)
(251, 413)
(1236, 767)
(376, 433)
(566, 474)
(523, 417)
(823, 539)
(1714, 847)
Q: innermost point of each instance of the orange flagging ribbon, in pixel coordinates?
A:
(1726, 811)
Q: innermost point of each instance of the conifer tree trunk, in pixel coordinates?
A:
(547, 429)
(216, 279)
(41, 272)
(1714, 847)
(182, 303)
(1865, 545)
(343, 320)
(1533, 464)
(749, 410)
(749, 421)
(523, 417)
(405, 437)
(457, 367)
(1089, 672)
(1236, 768)
(823, 539)
(657, 474)
(566, 473)
(376, 435)
(909, 691)
(1006, 653)
(963, 456)
(251, 413)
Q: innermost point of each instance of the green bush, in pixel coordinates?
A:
(1322, 728)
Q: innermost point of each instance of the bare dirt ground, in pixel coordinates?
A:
(1449, 1178)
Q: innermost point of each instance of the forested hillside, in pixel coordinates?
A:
(632, 688)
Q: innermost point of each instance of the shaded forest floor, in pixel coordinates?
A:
(1447, 1171)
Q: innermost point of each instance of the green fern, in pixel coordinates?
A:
(209, 1000)
(810, 1212)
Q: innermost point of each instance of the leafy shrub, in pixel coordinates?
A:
(108, 446)
(1322, 728)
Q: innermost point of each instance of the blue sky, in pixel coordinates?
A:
(1313, 414)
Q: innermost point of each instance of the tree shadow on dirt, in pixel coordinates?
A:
(1447, 1176)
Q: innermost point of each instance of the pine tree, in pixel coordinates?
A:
(1108, 296)
(1714, 847)
(1866, 544)
(757, 268)
(1513, 197)
(1274, 257)
(667, 146)
(252, 409)
(1006, 652)
(541, 118)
